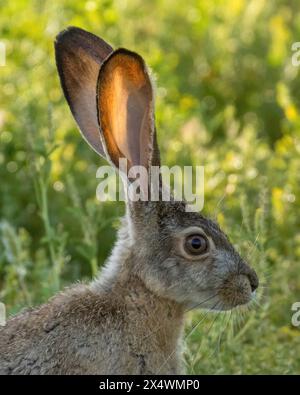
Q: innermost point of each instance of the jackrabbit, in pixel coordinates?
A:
(166, 260)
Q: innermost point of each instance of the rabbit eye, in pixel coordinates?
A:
(196, 244)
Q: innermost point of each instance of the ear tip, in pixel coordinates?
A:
(67, 32)
(73, 37)
(119, 57)
(130, 54)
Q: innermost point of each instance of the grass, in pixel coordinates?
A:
(227, 98)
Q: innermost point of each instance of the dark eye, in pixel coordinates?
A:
(196, 244)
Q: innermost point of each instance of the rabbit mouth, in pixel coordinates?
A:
(235, 291)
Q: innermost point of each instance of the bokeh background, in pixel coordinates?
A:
(228, 98)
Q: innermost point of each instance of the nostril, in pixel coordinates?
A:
(253, 281)
(246, 270)
(253, 286)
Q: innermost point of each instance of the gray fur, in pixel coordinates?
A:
(130, 319)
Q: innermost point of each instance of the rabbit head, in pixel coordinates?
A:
(178, 254)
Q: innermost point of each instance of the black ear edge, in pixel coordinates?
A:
(60, 38)
(124, 51)
(68, 36)
(104, 64)
(74, 33)
(69, 31)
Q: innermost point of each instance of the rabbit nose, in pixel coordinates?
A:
(252, 276)
(253, 279)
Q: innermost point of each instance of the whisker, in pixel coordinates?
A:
(188, 335)
(199, 322)
(201, 303)
(223, 331)
(186, 311)
(208, 332)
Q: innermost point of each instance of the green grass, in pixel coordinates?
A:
(227, 98)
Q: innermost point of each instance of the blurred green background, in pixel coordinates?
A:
(228, 98)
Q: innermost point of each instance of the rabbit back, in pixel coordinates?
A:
(83, 332)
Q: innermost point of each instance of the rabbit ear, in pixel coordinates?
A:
(126, 109)
(79, 55)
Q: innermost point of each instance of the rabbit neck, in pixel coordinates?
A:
(156, 322)
(154, 326)
(119, 278)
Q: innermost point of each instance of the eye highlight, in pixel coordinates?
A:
(196, 244)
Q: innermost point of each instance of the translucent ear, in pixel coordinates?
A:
(126, 109)
(79, 55)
